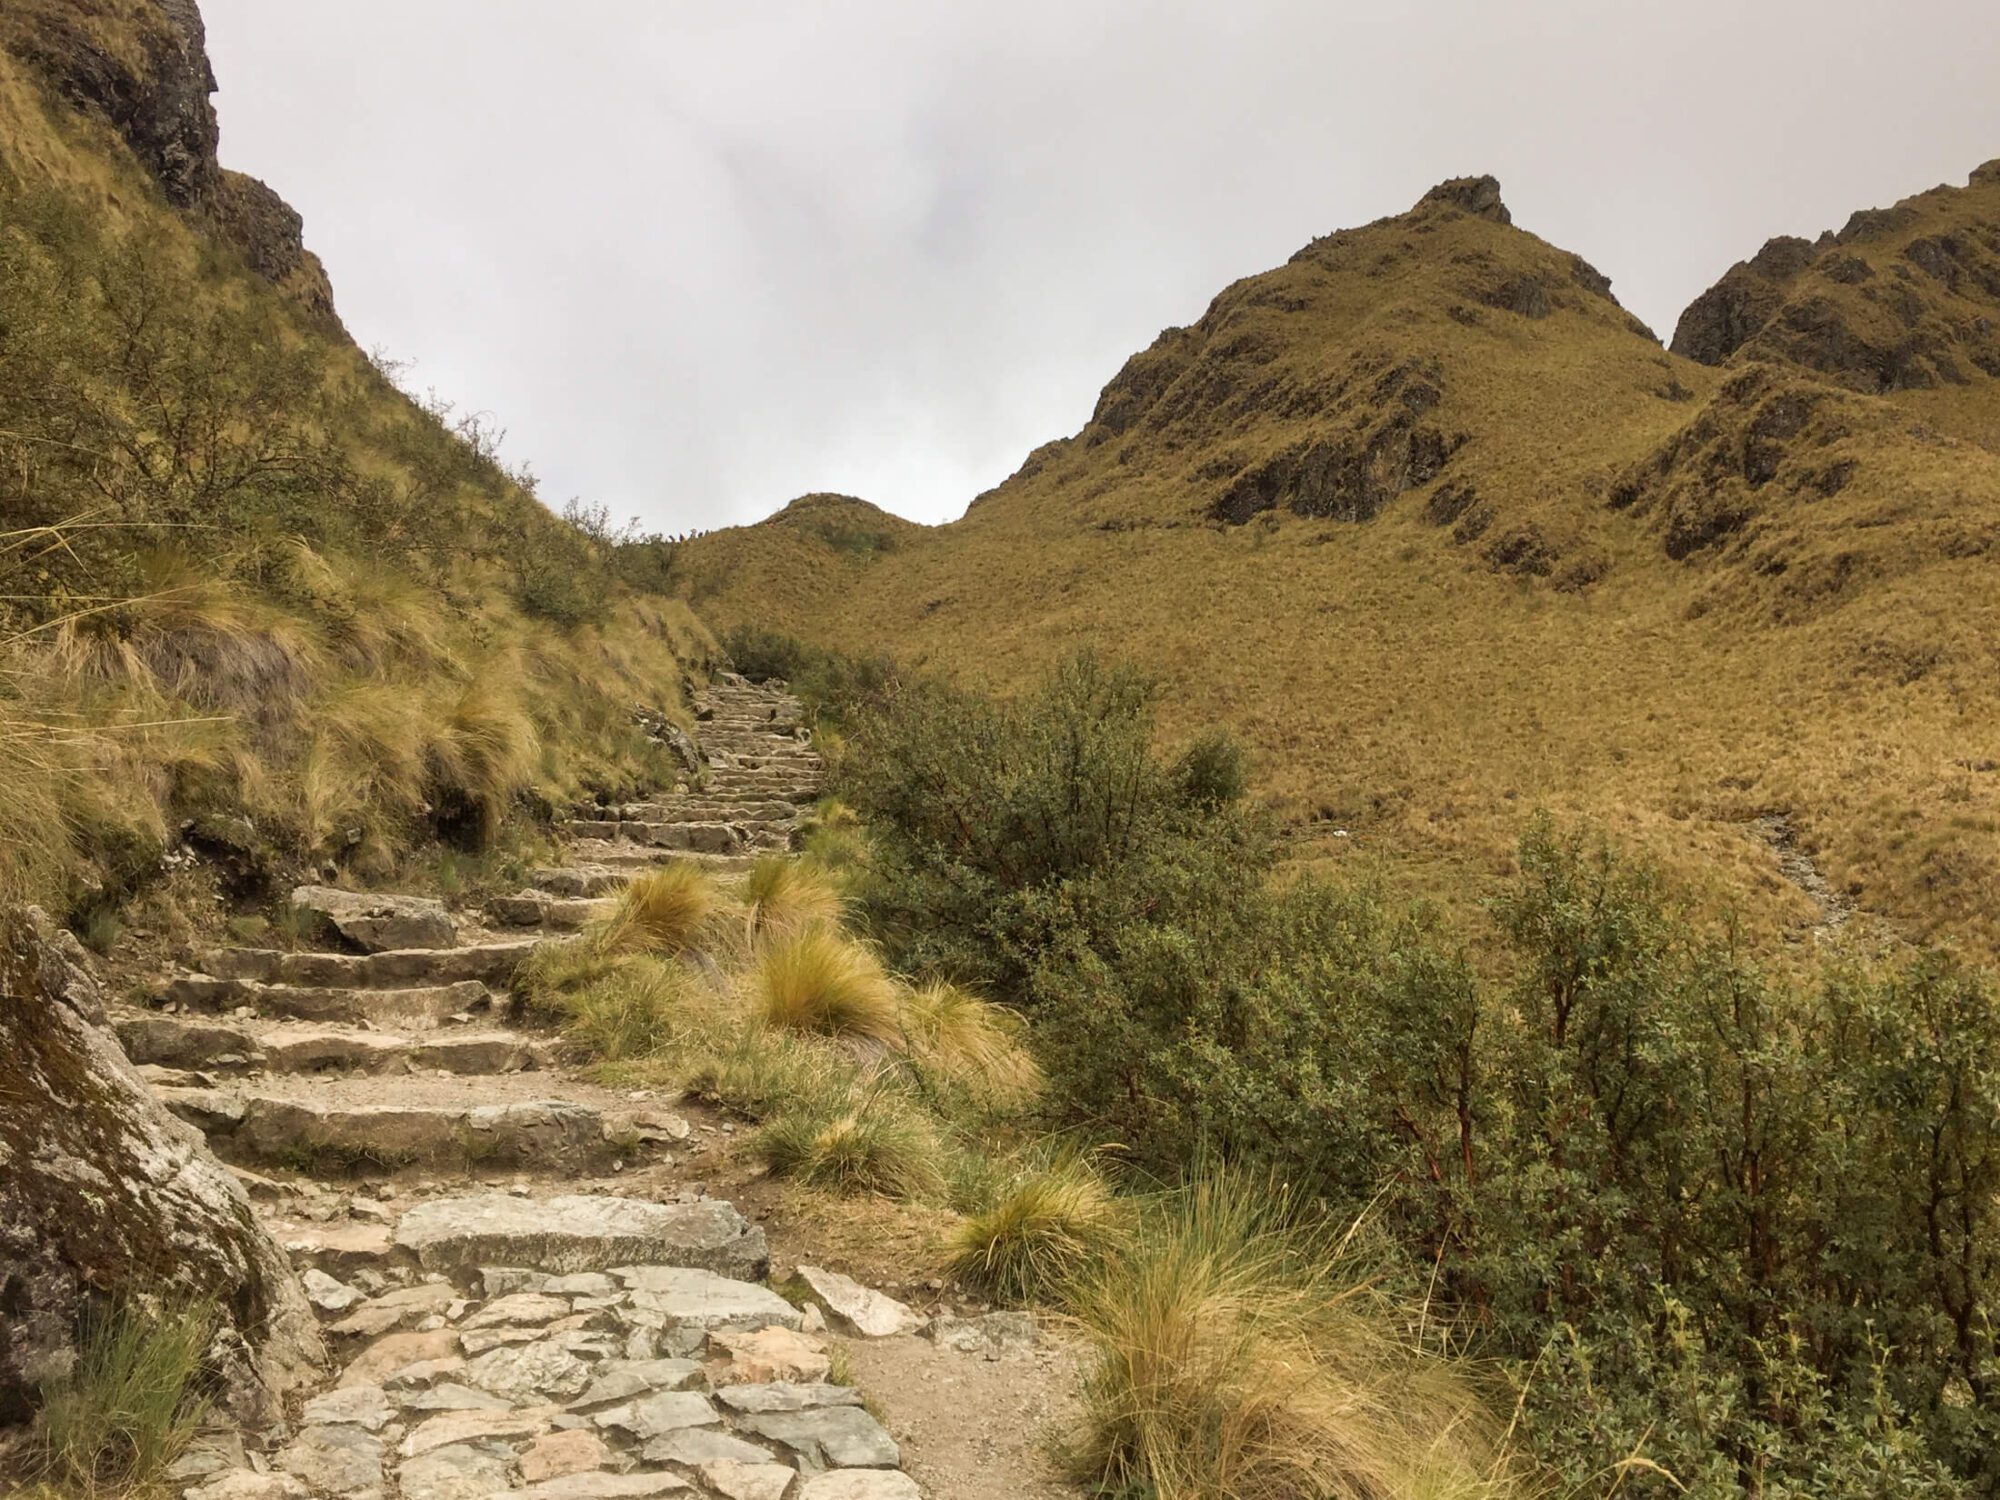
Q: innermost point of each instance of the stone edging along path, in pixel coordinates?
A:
(536, 1342)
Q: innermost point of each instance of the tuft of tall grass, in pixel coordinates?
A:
(133, 1402)
(853, 1137)
(823, 983)
(783, 898)
(970, 1041)
(618, 1006)
(661, 911)
(1038, 1230)
(1242, 1356)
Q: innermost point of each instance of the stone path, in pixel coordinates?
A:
(513, 1338)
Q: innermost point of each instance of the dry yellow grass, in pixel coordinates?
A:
(1411, 699)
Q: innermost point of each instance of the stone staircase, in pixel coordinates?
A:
(532, 1343)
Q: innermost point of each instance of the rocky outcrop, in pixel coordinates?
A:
(106, 1199)
(144, 69)
(1479, 196)
(1900, 298)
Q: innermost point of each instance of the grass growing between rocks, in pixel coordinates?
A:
(130, 1407)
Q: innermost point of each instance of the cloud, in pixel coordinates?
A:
(701, 259)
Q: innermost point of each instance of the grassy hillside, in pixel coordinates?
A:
(250, 593)
(1449, 537)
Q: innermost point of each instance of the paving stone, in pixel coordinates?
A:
(449, 1395)
(345, 1460)
(658, 1414)
(566, 1235)
(735, 1479)
(623, 1379)
(670, 1297)
(524, 1372)
(457, 1471)
(397, 1351)
(759, 1356)
(363, 1406)
(520, 1310)
(786, 1396)
(854, 1307)
(474, 1426)
(400, 1308)
(559, 1453)
(422, 1375)
(600, 1486)
(248, 1484)
(584, 1284)
(701, 1445)
(828, 1437)
(502, 1281)
(861, 1484)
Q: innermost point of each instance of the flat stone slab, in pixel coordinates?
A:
(828, 1437)
(577, 1233)
(687, 1298)
(860, 1484)
(785, 1395)
(855, 1308)
(376, 922)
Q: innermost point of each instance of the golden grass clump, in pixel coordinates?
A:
(824, 984)
(852, 1138)
(782, 898)
(662, 910)
(617, 1006)
(132, 1404)
(1038, 1230)
(970, 1041)
(1240, 1356)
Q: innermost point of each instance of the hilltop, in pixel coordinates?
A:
(259, 604)
(1449, 536)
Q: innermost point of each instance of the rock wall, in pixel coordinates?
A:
(104, 1196)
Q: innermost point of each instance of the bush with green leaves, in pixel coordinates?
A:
(1741, 1225)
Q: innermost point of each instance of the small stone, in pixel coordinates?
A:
(524, 1372)
(458, 1471)
(479, 1340)
(747, 1481)
(993, 1334)
(560, 1453)
(854, 1307)
(359, 1405)
(861, 1484)
(369, 1209)
(675, 1297)
(340, 1459)
(329, 1295)
(813, 1320)
(501, 1281)
(784, 1396)
(422, 1374)
(406, 1306)
(656, 1415)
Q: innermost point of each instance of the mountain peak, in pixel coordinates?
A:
(1479, 196)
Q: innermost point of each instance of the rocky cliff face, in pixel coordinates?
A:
(1899, 299)
(143, 67)
(106, 1197)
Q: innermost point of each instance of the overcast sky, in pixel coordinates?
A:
(699, 259)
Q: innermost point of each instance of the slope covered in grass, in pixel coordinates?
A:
(1449, 537)
(255, 597)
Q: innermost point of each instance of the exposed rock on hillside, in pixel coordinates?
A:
(1902, 298)
(143, 67)
(106, 1198)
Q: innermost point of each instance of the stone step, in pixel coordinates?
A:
(418, 1008)
(185, 1042)
(627, 858)
(571, 1235)
(545, 909)
(333, 1126)
(741, 814)
(703, 838)
(490, 962)
(574, 881)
